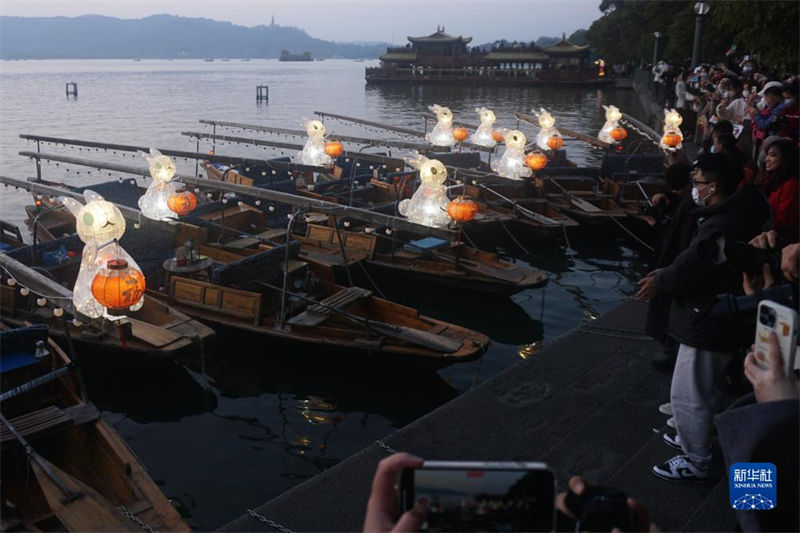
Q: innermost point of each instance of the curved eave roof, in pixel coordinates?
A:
(520, 56)
(566, 47)
(395, 56)
(439, 37)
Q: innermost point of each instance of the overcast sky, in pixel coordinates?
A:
(352, 20)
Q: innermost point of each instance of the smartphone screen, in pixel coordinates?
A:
(482, 496)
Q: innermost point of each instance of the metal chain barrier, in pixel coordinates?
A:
(385, 447)
(135, 519)
(270, 523)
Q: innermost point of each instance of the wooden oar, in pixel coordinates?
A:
(77, 506)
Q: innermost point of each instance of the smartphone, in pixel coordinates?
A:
(733, 47)
(482, 496)
(783, 321)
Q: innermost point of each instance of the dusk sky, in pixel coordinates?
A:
(352, 20)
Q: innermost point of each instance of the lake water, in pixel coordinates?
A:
(233, 427)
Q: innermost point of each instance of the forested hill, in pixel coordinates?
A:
(160, 36)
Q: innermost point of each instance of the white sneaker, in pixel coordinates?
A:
(675, 441)
(671, 422)
(681, 469)
(665, 409)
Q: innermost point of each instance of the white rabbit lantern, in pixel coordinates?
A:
(442, 133)
(100, 225)
(673, 138)
(546, 128)
(428, 205)
(154, 202)
(512, 164)
(313, 152)
(613, 116)
(483, 135)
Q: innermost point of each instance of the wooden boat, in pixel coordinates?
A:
(241, 289)
(451, 265)
(10, 237)
(76, 474)
(156, 330)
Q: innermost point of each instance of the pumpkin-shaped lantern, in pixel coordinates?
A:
(462, 209)
(117, 286)
(671, 139)
(497, 136)
(334, 148)
(536, 160)
(460, 134)
(554, 142)
(182, 203)
(618, 133)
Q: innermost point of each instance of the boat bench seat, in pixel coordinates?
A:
(48, 419)
(263, 266)
(317, 313)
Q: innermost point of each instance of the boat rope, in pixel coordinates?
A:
(270, 523)
(476, 374)
(466, 237)
(519, 244)
(371, 281)
(34, 383)
(633, 236)
(341, 249)
(135, 519)
(566, 237)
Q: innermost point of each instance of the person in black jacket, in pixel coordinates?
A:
(693, 279)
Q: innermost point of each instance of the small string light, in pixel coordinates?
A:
(58, 312)
(346, 223)
(388, 231)
(11, 282)
(24, 291)
(77, 323)
(271, 208)
(41, 302)
(258, 202)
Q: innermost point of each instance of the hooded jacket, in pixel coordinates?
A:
(701, 272)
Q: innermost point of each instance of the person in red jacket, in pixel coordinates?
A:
(782, 188)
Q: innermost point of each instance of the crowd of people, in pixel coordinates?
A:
(728, 225)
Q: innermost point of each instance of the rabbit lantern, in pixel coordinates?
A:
(483, 135)
(512, 164)
(428, 205)
(442, 133)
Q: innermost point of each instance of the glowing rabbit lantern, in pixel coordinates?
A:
(672, 138)
(546, 129)
(483, 135)
(442, 133)
(154, 203)
(100, 225)
(314, 153)
(512, 164)
(608, 133)
(428, 205)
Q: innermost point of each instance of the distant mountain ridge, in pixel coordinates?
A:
(161, 36)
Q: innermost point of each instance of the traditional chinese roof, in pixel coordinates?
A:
(399, 56)
(565, 47)
(522, 55)
(439, 37)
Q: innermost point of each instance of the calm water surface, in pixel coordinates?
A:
(233, 427)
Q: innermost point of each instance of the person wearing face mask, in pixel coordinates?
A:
(732, 106)
(693, 279)
(772, 117)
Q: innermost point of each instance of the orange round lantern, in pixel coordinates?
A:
(497, 136)
(536, 160)
(460, 134)
(618, 133)
(182, 203)
(555, 142)
(462, 209)
(334, 148)
(118, 286)
(671, 139)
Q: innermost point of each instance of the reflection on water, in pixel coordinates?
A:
(253, 417)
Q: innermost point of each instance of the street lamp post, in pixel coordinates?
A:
(701, 9)
(657, 35)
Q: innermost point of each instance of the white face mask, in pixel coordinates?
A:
(761, 103)
(696, 197)
(746, 93)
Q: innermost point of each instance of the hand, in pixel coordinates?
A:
(765, 241)
(790, 262)
(647, 286)
(751, 284)
(770, 385)
(578, 486)
(659, 198)
(382, 511)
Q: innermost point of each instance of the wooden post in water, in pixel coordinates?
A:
(72, 89)
(262, 93)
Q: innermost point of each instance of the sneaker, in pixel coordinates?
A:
(681, 469)
(671, 422)
(675, 441)
(665, 409)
